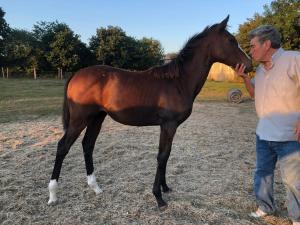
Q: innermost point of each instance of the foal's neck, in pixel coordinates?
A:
(196, 72)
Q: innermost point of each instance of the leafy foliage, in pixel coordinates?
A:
(282, 14)
(62, 52)
(111, 46)
(285, 16)
(4, 33)
(53, 45)
(61, 47)
(244, 29)
(20, 50)
(150, 52)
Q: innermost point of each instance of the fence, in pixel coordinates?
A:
(6, 73)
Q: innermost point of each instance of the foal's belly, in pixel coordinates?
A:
(144, 116)
(148, 116)
(137, 116)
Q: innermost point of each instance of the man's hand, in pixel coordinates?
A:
(239, 69)
(297, 131)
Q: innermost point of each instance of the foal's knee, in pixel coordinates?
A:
(162, 159)
(61, 148)
(62, 152)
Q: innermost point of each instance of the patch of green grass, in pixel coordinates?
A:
(218, 91)
(29, 99)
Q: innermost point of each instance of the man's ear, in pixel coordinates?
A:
(267, 44)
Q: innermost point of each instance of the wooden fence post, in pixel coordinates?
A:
(34, 73)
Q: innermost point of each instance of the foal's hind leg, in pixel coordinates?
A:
(70, 136)
(165, 144)
(88, 144)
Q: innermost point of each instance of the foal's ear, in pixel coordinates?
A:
(223, 24)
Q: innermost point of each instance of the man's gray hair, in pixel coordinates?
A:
(266, 32)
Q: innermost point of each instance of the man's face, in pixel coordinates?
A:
(257, 50)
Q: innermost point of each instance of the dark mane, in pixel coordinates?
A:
(169, 70)
(174, 69)
(189, 48)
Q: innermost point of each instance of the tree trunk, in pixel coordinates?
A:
(34, 73)
(3, 74)
(61, 74)
(7, 72)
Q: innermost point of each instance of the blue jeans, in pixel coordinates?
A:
(288, 156)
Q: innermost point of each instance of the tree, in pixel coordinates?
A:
(4, 33)
(4, 30)
(62, 54)
(111, 46)
(44, 32)
(21, 52)
(285, 16)
(86, 58)
(61, 47)
(151, 53)
(244, 29)
(282, 14)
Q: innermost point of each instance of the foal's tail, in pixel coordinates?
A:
(66, 110)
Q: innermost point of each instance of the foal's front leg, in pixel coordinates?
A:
(165, 144)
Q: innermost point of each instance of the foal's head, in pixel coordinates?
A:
(224, 47)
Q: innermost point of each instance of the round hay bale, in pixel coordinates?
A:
(234, 95)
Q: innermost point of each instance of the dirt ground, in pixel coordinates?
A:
(210, 171)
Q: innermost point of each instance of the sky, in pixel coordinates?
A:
(171, 22)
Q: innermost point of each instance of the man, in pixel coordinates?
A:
(276, 88)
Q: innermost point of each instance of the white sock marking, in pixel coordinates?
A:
(91, 179)
(53, 186)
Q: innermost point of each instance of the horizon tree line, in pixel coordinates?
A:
(51, 46)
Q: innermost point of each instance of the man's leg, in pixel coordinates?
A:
(266, 159)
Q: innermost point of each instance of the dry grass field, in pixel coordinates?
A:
(210, 170)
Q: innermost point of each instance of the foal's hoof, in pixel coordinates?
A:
(167, 190)
(98, 190)
(52, 202)
(163, 208)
